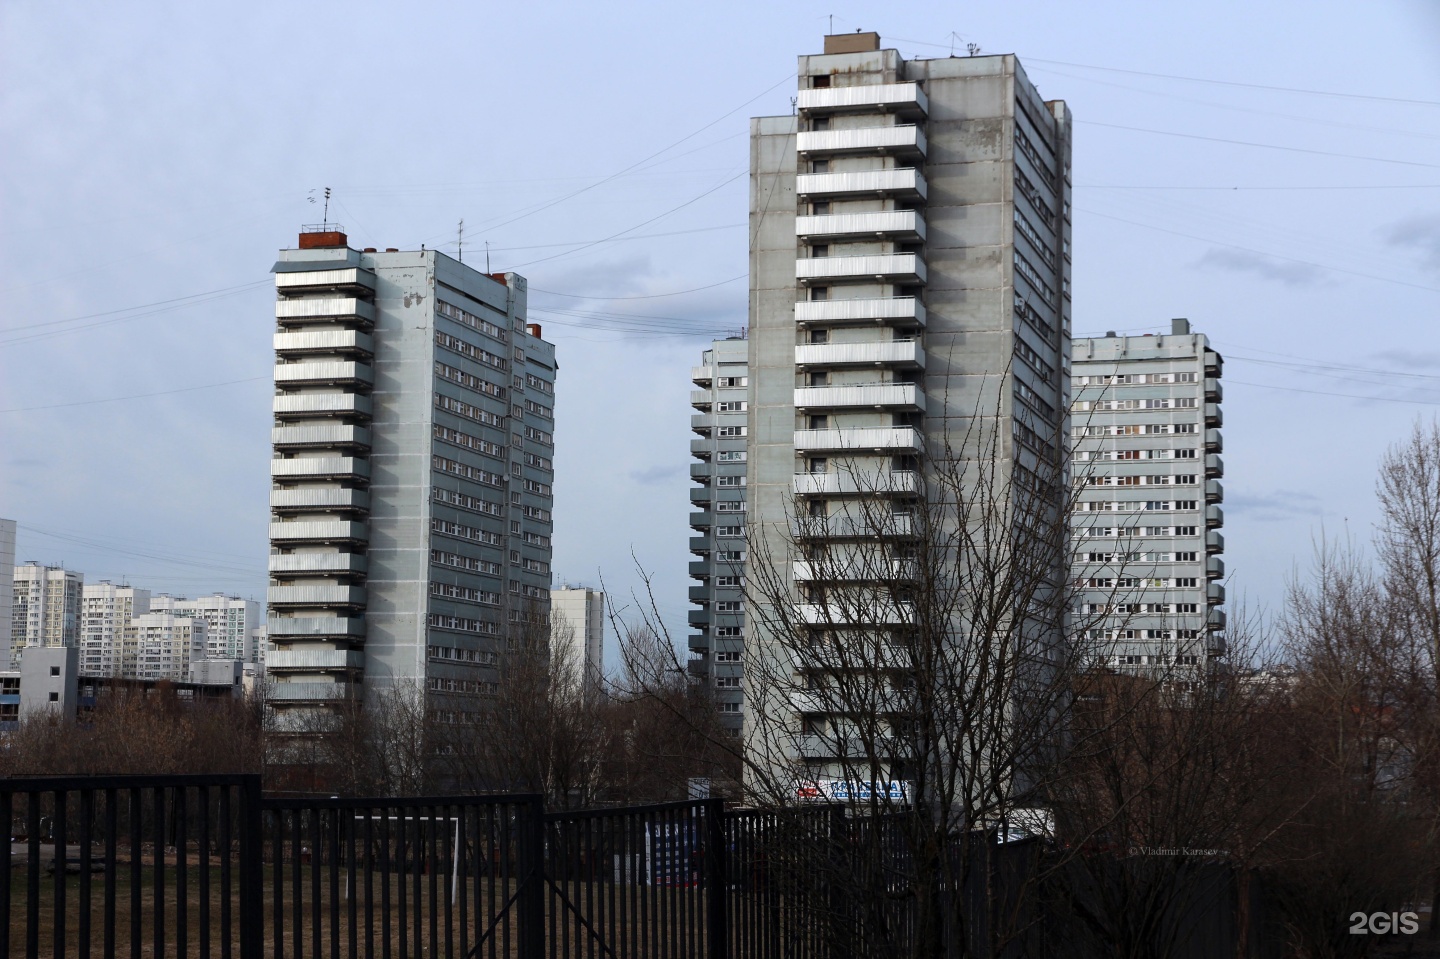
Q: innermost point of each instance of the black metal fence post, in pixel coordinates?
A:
(530, 901)
(252, 888)
(717, 922)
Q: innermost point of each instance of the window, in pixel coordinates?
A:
(730, 406)
(729, 531)
(731, 581)
(819, 379)
(820, 207)
(727, 682)
(820, 81)
(733, 381)
(1186, 582)
(730, 456)
(728, 632)
(818, 464)
(820, 166)
(730, 556)
(819, 336)
(731, 431)
(820, 249)
(729, 481)
(730, 707)
(820, 123)
(1185, 558)
(819, 421)
(728, 606)
(54, 670)
(54, 697)
(729, 656)
(819, 292)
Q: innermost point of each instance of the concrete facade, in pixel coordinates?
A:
(47, 602)
(1146, 435)
(577, 631)
(909, 293)
(721, 422)
(166, 644)
(412, 476)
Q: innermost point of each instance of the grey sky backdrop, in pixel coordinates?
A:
(156, 155)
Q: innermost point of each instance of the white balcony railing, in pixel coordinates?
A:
(906, 225)
(901, 309)
(319, 499)
(870, 96)
(853, 525)
(904, 139)
(880, 613)
(318, 309)
(298, 405)
(324, 341)
(316, 595)
(885, 439)
(892, 267)
(904, 182)
(314, 626)
(324, 280)
(323, 373)
(320, 467)
(319, 531)
(307, 692)
(856, 571)
(283, 437)
(854, 482)
(903, 353)
(314, 660)
(906, 396)
(318, 564)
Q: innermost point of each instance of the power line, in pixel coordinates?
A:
(645, 296)
(1263, 146)
(1353, 396)
(136, 396)
(143, 306)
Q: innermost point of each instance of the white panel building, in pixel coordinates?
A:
(47, 602)
(108, 611)
(577, 629)
(7, 587)
(166, 644)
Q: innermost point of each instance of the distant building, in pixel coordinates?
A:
(1146, 434)
(412, 472)
(165, 645)
(107, 612)
(717, 627)
(44, 683)
(577, 626)
(7, 587)
(47, 602)
(231, 623)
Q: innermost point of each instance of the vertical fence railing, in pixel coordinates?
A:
(126, 866)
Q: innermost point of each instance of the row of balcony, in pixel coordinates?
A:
(310, 660)
(319, 532)
(865, 98)
(319, 499)
(315, 405)
(351, 281)
(307, 342)
(902, 183)
(900, 397)
(905, 140)
(895, 311)
(854, 482)
(892, 440)
(315, 627)
(856, 571)
(321, 595)
(858, 525)
(301, 565)
(283, 693)
(900, 268)
(321, 437)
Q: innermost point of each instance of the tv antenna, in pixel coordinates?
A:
(326, 215)
(832, 23)
(487, 256)
(973, 49)
(460, 240)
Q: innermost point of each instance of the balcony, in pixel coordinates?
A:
(1214, 491)
(702, 375)
(348, 342)
(319, 500)
(315, 627)
(905, 268)
(904, 226)
(1214, 541)
(856, 525)
(906, 354)
(702, 400)
(1214, 392)
(1214, 466)
(700, 594)
(700, 569)
(866, 98)
(324, 310)
(701, 497)
(1214, 442)
(321, 468)
(843, 482)
(702, 448)
(856, 571)
(1213, 362)
(700, 472)
(1216, 619)
(286, 565)
(324, 373)
(283, 692)
(901, 184)
(1214, 567)
(312, 405)
(1214, 593)
(352, 281)
(903, 397)
(314, 660)
(1214, 516)
(902, 140)
(352, 596)
(699, 617)
(894, 440)
(879, 613)
(895, 311)
(319, 531)
(1213, 416)
(701, 545)
(320, 437)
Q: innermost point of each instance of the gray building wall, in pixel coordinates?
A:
(956, 195)
(442, 511)
(721, 423)
(7, 587)
(1146, 435)
(49, 681)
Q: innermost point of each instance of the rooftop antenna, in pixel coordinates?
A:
(832, 23)
(487, 256)
(973, 48)
(326, 215)
(793, 101)
(460, 239)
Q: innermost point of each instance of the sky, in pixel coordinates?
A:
(1270, 171)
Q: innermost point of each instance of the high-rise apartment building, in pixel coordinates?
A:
(717, 627)
(108, 612)
(46, 608)
(7, 587)
(412, 473)
(577, 631)
(166, 644)
(1146, 435)
(231, 622)
(909, 310)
